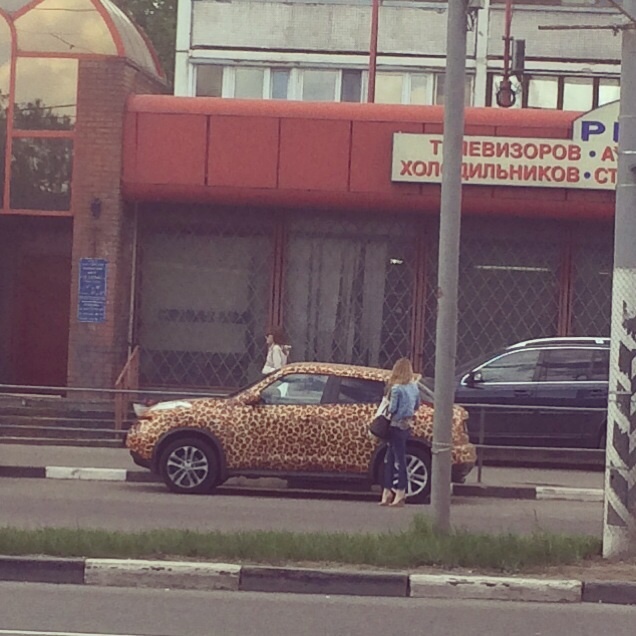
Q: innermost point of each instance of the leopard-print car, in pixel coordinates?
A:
(305, 420)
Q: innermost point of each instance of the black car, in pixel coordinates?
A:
(544, 392)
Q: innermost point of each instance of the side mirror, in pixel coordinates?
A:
(473, 378)
(252, 400)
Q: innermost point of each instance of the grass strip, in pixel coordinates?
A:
(419, 545)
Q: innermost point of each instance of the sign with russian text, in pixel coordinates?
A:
(91, 304)
(587, 161)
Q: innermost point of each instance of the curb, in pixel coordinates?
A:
(265, 579)
(539, 493)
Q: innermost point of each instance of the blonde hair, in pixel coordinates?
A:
(402, 372)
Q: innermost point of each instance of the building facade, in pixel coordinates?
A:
(319, 51)
(66, 71)
(182, 226)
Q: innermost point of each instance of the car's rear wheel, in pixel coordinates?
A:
(418, 474)
(189, 466)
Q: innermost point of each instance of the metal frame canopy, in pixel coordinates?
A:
(78, 28)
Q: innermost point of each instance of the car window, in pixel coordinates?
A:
(296, 388)
(518, 366)
(568, 365)
(359, 391)
(600, 365)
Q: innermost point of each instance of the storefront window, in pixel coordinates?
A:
(348, 293)
(319, 86)
(41, 174)
(203, 296)
(45, 94)
(248, 83)
(5, 76)
(209, 80)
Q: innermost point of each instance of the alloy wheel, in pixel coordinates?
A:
(187, 467)
(417, 475)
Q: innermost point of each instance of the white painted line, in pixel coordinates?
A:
(18, 632)
(495, 588)
(165, 574)
(569, 494)
(88, 474)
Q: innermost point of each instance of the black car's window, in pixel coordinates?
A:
(600, 365)
(518, 366)
(296, 388)
(359, 391)
(568, 365)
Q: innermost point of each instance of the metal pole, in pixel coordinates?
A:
(619, 529)
(373, 50)
(448, 263)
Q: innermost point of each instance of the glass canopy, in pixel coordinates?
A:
(81, 27)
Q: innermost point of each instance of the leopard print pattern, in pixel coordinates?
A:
(283, 437)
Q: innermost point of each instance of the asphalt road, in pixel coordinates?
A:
(33, 503)
(28, 609)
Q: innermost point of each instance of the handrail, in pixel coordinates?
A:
(127, 382)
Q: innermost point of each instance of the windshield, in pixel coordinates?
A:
(244, 388)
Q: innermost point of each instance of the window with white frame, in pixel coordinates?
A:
(609, 90)
(320, 84)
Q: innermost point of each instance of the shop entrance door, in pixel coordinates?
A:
(41, 320)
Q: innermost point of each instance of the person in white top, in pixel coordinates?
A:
(277, 352)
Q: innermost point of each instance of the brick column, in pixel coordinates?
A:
(97, 351)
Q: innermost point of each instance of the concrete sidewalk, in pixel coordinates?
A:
(115, 464)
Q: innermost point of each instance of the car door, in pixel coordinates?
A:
(346, 446)
(287, 421)
(502, 391)
(572, 390)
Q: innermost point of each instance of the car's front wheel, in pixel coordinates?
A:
(189, 466)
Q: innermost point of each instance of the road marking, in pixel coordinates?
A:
(17, 632)
(569, 494)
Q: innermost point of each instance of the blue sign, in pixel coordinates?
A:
(91, 304)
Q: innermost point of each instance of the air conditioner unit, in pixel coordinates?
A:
(475, 4)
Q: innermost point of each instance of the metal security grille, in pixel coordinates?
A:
(592, 265)
(203, 297)
(509, 285)
(349, 288)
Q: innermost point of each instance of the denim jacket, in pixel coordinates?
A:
(404, 401)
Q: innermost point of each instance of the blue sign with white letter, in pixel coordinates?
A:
(91, 304)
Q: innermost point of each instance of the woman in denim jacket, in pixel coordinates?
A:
(404, 401)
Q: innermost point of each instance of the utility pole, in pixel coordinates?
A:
(373, 50)
(619, 521)
(448, 261)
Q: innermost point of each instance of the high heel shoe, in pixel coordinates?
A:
(400, 499)
(387, 498)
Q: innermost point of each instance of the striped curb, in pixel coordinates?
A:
(242, 578)
(495, 588)
(165, 574)
(540, 493)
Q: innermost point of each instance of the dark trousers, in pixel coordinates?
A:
(395, 459)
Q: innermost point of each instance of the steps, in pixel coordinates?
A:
(40, 420)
